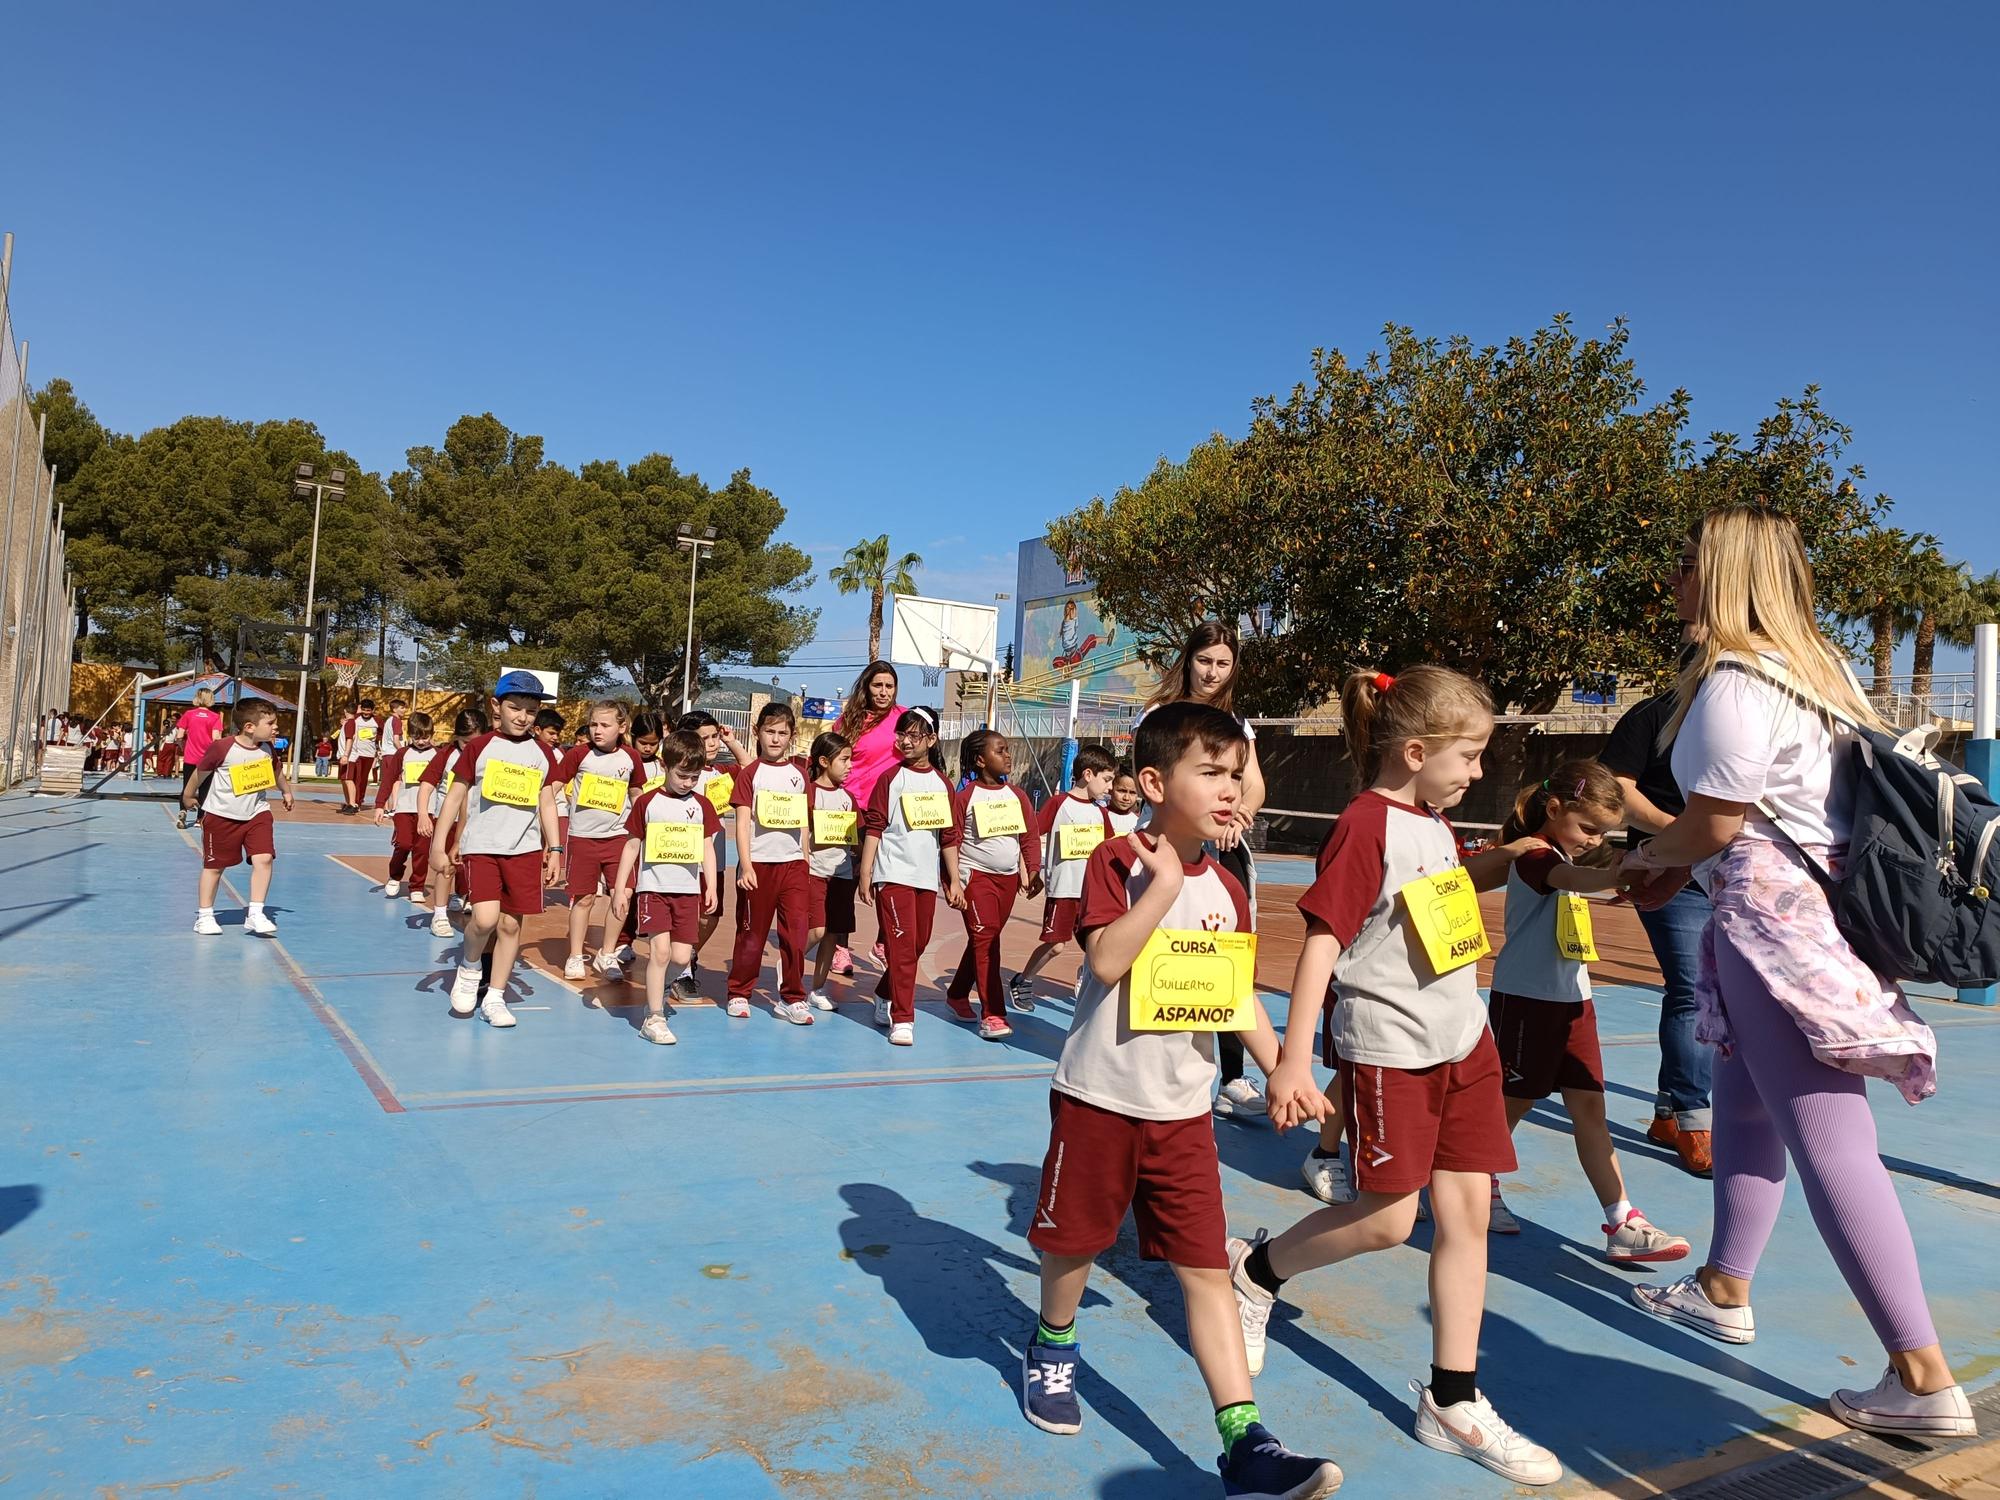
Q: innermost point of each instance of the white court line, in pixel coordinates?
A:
(751, 1080)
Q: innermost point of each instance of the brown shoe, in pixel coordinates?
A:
(1665, 1129)
(1694, 1151)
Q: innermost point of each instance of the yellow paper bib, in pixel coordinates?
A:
(1444, 909)
(413, 770)
(998, 816)
(1574, 936)
(832, 827)
(719, 790)
(781, 809)
(1194, 981)
(652, 784)
(248, 777)
(1076, 840)
(602, 793)
(511, 783)
(671, 842)
(927, 812)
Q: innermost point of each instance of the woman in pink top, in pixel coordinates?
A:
(868, 723)
(199, 727)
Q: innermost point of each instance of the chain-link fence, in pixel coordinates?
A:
(37, 613)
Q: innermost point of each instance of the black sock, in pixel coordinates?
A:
(1257, 1266)
(1322, 1152)
(1449, 1387)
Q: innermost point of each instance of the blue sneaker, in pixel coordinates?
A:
(1260, 1467)
(1048, 1387)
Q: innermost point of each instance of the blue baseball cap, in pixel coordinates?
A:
(521, 685)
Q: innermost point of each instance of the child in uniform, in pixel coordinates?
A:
(360, 744)
(669, 854)
(771, 815)
(447, 890)
(999, 858)
(231, 779)
(833, 837)
(603, 776)
(510, 846)
(1393, 922)
(718, 784)
(1122, 810)
(1072, 825)
(908, 832)
(1543, 1018)
(1130, 1127)
(402, 773)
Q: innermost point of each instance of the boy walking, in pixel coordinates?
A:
(1073, 825)
(232, 778)
(402, 794)
(1130, 1126)
(360, 744)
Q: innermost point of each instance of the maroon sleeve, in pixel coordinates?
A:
(638, 768)
(566, 767)
(1535, 866)
(1031, 842)
(213, 757)
(1049, 810)
(391, 778)
(711, 824)
(875, 817)
(961, 805)
(1104, 900)
(739, 794)
(635, 820)
(953, 833)
(552, 758)
(466, 767)
(439, 764)
(1350, 871)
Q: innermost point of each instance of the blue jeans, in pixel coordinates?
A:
(1675, 933)
(321, 766)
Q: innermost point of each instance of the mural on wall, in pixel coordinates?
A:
(1067, 637)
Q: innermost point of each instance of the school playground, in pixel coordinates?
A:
(273, 1223)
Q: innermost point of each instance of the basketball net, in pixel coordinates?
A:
(934, 675)
(345, 673)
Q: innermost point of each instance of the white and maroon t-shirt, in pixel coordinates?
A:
(1394, 1010)
(360, 737)
(397, 783)
(495, 827)
(833, 861)
(618, 770)
(1065, 876)
(222, 800)
(663, 806)
(773, 846)
(1003, 853)
(393, 730)
(1149, 1075)
(1530, 964)
(1122, 823)
(908, 856)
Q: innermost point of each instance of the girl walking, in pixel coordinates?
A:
(909, 849)
(833, 837)
(999, 858)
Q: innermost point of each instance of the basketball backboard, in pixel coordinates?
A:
(943, 633)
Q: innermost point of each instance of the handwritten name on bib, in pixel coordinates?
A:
(601, 793)
(1444, 909)
(511, 783)
(998, 816)
(1194, 981)
(927, 811)
(248, 777)
(1076, 840)
(671, 842)
(718, 792)
(832, 827)
(1574, 937)
(781, 809)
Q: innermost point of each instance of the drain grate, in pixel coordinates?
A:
(1840, 1465)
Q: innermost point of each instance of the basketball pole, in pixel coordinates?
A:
(1982, 752)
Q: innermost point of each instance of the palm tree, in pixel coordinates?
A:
(1877, 593)
(1949, 617)
(867, 570)
(1938, 591)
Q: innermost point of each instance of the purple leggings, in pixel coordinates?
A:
(1772, 1096)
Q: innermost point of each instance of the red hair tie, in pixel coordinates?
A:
(1383, 682)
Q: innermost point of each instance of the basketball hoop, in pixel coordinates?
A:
(932, 675)
(345, 672)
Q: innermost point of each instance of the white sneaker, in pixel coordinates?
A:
(1473, 1429)
(739, 1007)
(607, 966)
(207, 926)
(493, 1011)
(441, 922)
(1240, 1096)
(256, 924)
(392, 889)
(1890, 1408)
(881, 1012)
(820, 1000)
(795, 1011)
(627, 954)
(903, 1034)
(1637, 1241)
(656, 1029)
(1500, 1219)
(574, 967)
(465, 990)
(418, 895)
(1684, 1302)
(1329, 1178)
(1253, 1303)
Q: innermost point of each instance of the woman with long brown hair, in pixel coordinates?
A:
(868, 723)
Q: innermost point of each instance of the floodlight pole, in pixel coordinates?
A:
(302, 481)
(14, 470)
(694, 546)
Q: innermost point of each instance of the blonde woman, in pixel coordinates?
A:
(1797, 1019)
(198, 728)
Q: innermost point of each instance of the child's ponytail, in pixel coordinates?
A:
(1434, 704)
(1575, 782)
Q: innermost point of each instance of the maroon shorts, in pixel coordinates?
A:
(1059, 918)
(227, 842)
(830, 903)
(514, 880)
(590, 859)
(677, 914)
(1546, 1045)
(1406, 1123)
(1101, 1163)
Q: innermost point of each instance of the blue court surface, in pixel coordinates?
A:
(272, 1222)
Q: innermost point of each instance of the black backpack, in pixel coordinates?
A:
(1915, 896)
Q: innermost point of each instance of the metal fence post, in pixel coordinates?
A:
(1982, 752)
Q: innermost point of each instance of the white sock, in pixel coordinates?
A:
(471, 968)
(1614, 1213)
(256, 908)
(204, 911)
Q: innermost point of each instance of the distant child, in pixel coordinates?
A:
(999, 858)
(396, 731)
(1541, 1010)
(549, 730)
(603, 776)
(1130, 1128)
(1123, 808)
(360, 746)
(1392, 920)
(908, 835)
(510, 846)
(448, 889)
(401, 795)
(231, 780)
(669, 854)
(772, 808)
(323, 757)
(718, 784)
(1072, 827)
(832, 839)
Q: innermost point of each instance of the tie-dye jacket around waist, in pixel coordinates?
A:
(1771, 910)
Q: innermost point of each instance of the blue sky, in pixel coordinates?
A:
(950, 271)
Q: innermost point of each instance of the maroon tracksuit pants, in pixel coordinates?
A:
(989, 901)
(410, 851)
(904, 915)
(782, 894)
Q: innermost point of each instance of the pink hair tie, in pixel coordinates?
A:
(1383, 682)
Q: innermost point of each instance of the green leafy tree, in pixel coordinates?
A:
(1953, 603)
(867, 569)
(1883, 581)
